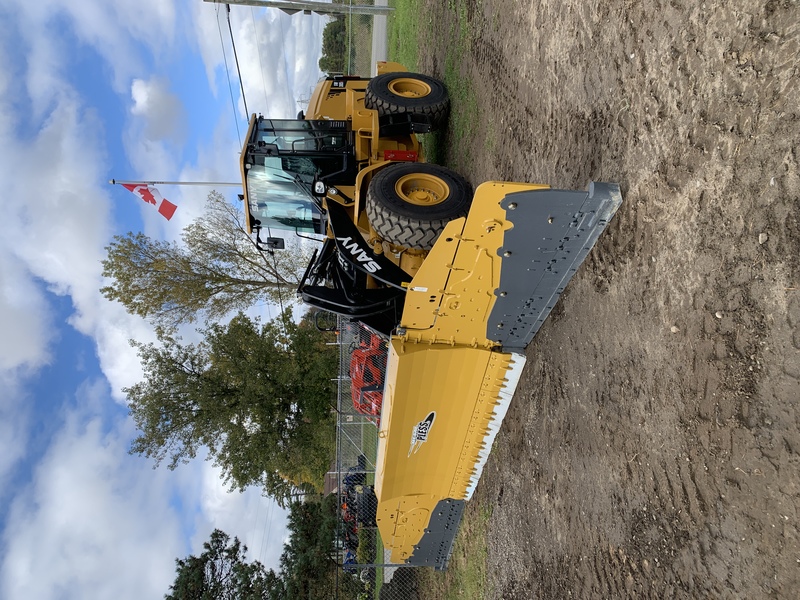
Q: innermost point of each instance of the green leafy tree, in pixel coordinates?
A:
(334, 46)
(217, 270)
(258, 397)
(222, 573)
(307, 568)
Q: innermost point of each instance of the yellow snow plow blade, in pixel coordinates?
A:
(443, 406)
(474, 305)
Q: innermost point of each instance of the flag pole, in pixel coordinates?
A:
(205, 183)
(146, 190)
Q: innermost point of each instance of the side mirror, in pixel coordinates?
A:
(273, 243)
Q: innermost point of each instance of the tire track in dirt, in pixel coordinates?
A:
(653, 448)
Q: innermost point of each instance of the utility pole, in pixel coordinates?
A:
(291, 7)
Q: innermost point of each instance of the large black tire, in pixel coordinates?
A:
(400, 92)
(408, 204)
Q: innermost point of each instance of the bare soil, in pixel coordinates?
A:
(653, 447)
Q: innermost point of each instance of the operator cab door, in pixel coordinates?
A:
(282, 158)
(308, 148)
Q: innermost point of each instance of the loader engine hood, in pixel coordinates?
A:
(477, 301)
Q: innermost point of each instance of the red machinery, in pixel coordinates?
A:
(367, 374)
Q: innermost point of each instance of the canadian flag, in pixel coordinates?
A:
(152, 196)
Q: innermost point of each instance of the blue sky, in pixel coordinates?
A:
(92, 90)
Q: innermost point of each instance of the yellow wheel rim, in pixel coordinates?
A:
(422, 189)
(409, 88)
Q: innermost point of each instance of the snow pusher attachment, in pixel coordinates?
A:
(478, 299)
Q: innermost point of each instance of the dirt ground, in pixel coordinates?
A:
(653, 447)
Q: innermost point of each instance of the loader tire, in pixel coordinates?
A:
(398, 93)
(408, 204)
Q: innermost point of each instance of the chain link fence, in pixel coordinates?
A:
(359, 59)
(366, 570)
(365, 37)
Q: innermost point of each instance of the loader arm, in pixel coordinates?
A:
(476, 302)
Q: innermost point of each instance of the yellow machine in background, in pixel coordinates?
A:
(459, 285)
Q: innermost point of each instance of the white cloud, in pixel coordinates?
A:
(278, 55)
(217, 161)
(61, 227)
(161, 110)
(112, 328)
(14, 426)
(55, 219)
(56, 224)
(208, 21)
(97, 523)
(91, 519)
(258, 522)
(114, 29)
(25, 318)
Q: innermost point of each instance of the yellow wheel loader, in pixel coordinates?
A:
(458, 283)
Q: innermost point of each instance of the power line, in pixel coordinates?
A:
(228, 74)
(236, 58)
(267, 531)
(280, 288)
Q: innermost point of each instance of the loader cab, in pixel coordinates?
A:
(281, 160)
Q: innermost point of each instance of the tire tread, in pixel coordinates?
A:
(403, 230)
(436, 112)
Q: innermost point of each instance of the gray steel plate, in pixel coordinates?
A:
(553, 232)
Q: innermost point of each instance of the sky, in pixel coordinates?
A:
(92, 90)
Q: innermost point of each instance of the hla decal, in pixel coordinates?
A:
(358, 253)
(419, 434)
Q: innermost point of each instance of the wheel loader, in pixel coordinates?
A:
(458, 283)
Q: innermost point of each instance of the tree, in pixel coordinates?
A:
(221, 573)
(308, 565)
(308, 569)
(259, 398)
(334, 46)
(217, 270)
